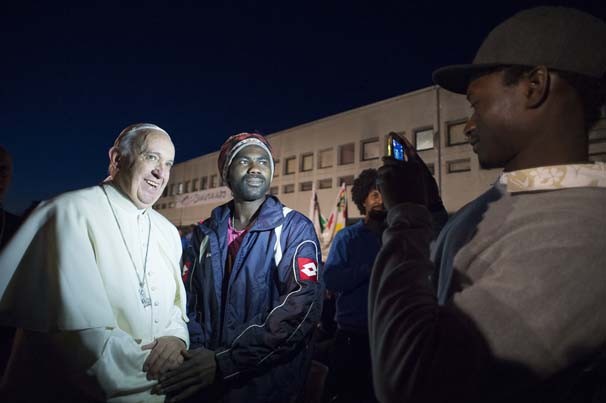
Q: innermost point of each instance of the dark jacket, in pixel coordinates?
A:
(261, 324)
(347, 272)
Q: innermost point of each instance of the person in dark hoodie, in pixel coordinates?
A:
(254, 290)
(347, 273)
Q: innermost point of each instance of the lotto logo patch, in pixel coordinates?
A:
(308, 269)
(186, 270)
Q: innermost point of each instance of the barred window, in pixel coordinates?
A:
(307, 162)
(371, 149)
(276, 168)
(325, 183)
(462, 165)
(325, 158)
(305, 186)
(456, 133)
(346, 154)
(214, 181)
(597, 157)
(290, 165)
(348, 180)
(424, 139)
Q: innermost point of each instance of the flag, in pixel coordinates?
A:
(315, 215)
(337, 219)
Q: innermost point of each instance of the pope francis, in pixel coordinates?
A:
(92, 283)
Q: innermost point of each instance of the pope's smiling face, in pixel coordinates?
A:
(144, 179)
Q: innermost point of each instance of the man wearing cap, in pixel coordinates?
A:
(519, 314)
(92, 282)
(254, 295)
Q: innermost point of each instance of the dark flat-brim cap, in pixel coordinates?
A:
(560, 38)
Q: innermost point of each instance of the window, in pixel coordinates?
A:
(346, 154)
(179, 188)
(273, 190)
(307, 162)
(598, 133)
(424, 139)
(348, 180)
(276, 168)
(456, 134)
(172, 189)
(290, 188)
(371, 149)
(325, 158)
(214, 181)
(165, 192)
(463, 165)
(325, 183)
(204, 183)
(186, 187)
(597, 157)
(163, 206)
(194, 185)
(289, 165)
(171, 205)
(305, 186)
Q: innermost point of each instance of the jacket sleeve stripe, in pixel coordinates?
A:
(292, 334)
(294, 267)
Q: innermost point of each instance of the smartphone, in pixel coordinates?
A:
(396, 147)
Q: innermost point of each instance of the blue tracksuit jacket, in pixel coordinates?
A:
(260, 321)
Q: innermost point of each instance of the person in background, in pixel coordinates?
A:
(347, 274)
(8, 222)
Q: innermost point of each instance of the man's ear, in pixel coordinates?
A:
(538, 82)
(114, 157)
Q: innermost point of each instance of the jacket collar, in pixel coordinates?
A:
(270, 214)
(555, 177)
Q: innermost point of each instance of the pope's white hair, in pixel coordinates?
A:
(129, 143)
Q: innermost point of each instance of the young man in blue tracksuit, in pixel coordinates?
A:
(254, 291)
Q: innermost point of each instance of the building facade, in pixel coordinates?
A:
(326, 152)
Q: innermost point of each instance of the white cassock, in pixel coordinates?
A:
(66, 278)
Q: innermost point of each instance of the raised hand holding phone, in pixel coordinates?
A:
(395, 147)
(404, 177)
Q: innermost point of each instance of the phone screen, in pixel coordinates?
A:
(397, 149)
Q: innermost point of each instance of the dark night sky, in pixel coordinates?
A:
(73, 75)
